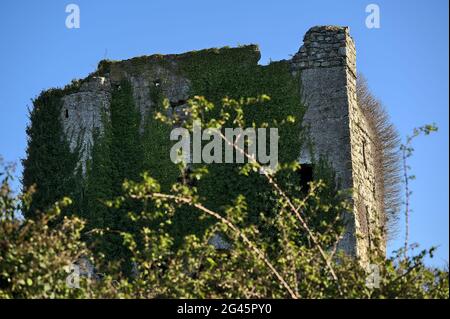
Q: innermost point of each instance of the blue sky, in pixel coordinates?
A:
(405, 62)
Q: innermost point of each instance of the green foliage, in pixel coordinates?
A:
(300, 260)
(131, 144)
(50, 165)
(33, 254)
(126, 149)
(117, 154)
(99, 181)
(427, 129)
(34, 259)
(234, 73)
(284, 238)
(156, 144)
(214, 74)
(292, 263)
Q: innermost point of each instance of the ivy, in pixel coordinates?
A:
(235, 73)
(132, 142)
(50, 165)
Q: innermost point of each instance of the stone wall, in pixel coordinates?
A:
(144, 72)
(82, 111)
(336, 129)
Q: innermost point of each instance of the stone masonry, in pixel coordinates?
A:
(335, 127)
(337, 130)
(82, 111)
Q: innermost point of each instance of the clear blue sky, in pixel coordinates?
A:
(405, 62)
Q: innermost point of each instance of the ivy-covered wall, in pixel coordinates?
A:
(235, 73)
(50, 165)
(85, 139)
(132, 140)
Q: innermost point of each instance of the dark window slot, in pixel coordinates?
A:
(306, 175)
(177, 103)
(364, 153)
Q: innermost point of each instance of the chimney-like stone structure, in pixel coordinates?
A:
(337, 131)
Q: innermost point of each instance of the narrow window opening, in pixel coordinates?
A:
(177, 103)
(306, 176)
(67, 114)
(364, 153)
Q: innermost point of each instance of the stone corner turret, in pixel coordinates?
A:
(336, 128)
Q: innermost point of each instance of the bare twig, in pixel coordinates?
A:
(256, 250)
(290, 204)
(407, 193)
(407, 151)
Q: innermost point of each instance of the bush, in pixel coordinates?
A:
(291, 252)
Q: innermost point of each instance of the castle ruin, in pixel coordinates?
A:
(335, 125)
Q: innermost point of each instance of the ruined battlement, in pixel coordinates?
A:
(327, 46)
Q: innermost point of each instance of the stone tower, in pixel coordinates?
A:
(334, 126)
(338, 131)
